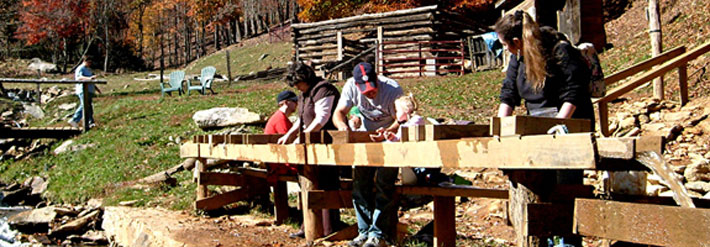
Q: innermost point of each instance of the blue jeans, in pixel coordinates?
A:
(376, 212)
(79, 111)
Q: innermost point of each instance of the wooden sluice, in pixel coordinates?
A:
(518, 145)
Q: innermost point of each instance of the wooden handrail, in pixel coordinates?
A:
(679, 62)
(40, 81)
(644, 65)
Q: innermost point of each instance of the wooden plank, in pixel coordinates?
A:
(404, 134)
(364, 17)
(528, 125)
(459, 190)
(202, 191)
(312, 218)
(683, 83)
(495, 126)
(220, 178)
(220, 200)
(649, 144)
(261, 138)
(342, 137)
(644, 65)
(642, 223)
(235, 139)
(532, 152)
(526, 187)
(617, 148)
(443, 132)
(604, 118)
(655, 72)
(444, 221)
(15, 80)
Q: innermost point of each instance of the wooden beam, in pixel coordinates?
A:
(33, 81)
(642, 223)
(261, 138)
(443, 132)
(617, 148)
(312, 218)
(532, 152)
(220, 200)
(335, 199)
(528, 125)
(604, 118)
(342, 137)
(201, 191)
(280, 202)
(220, 178)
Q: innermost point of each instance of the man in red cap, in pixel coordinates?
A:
(374, 96)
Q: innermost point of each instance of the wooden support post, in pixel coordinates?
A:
(39, 95)
(312, 218)
(444, 221)
(604, 118)
(525, 188)
(340, 51)
(280, 202)
(85, 102)
(199, 169)
(683, 83)
(654, 25)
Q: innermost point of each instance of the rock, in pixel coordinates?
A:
(91, 237)
(16, 195)
(54, 90)
(644, 119)
(679, 169)
(654, 107)
(6, 114)
(38, 185)
(34, 110)
(655, 116)
(75, 225)
(36, 220)
(673, 133)
(668, 193)
(225, 117)
(40, 239)
(633, 132)
(128, 203)
(699, 170)
(676, 116)
(655, 190)
(95, 203)
(707, 196)
(67, 106)
(64, 147)
(38, 64)
(702, 187)
(263, 56)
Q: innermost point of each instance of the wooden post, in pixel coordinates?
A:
(654, 25)
(312, 218)
(444, 221)
(525, 188)
(200, 168)
(85, 101)
(39, 93)
(380, 46)
(604, 118)
(280, 202)
(683, 83)
(229, 69)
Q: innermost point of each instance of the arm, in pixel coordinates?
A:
(290, 132)
(339, 116)
(505, 110)
(574, 88)
(566, 110)
(323, 111)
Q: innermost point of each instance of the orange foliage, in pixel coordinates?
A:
(51, 19)
(319, 10)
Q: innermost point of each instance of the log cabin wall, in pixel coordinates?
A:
(318, 42)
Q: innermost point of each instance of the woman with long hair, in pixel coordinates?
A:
(545, 70)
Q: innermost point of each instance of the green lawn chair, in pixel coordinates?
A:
(175, 84)
(206, 78)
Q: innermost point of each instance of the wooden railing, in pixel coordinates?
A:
(675, 58)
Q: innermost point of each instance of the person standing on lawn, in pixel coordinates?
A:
(83, 73)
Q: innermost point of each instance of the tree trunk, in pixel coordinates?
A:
(65, 55)
(654, 26)
(216, 37)
(176, 42)
(162, 58)
(202, 40)
(186, 36)
(107, 45)
(140, 30)
(238, 32)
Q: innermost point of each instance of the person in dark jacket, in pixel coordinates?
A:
(315, 108)
(545, 70)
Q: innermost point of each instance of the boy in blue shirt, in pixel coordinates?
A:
(83, 73)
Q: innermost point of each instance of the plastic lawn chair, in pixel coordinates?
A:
(174, 84)
(206, 78)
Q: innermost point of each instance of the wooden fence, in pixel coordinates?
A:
(420, 58)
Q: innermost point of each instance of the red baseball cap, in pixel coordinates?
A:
(365, 77)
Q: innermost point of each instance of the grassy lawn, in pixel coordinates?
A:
(133, 139)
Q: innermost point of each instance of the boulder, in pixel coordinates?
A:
(655, 190)
(677, 116)
(38, 64)
(64, 147)
(67, 106)
(37, 183)
(77, 224)
(225, 117)
(36, 220)
(699, 170)
(702, 187)
(34, 110)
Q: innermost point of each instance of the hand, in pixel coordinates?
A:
(389, 135)
(377, 137)
(381, 130)
(341, 128)
(283, 139)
